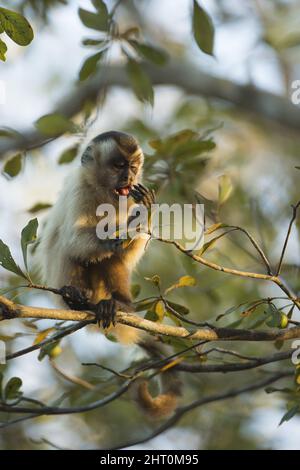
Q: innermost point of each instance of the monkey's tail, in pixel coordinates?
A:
(165, 403)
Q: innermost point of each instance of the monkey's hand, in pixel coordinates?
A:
(143, 195)
(74, 298)
(105, 312)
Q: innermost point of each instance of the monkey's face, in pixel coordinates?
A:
(114, 161)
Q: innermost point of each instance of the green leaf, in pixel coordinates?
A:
(3, 50)
(28, 236)
(275, 316)
(13, 166)
(235, 324)
(173, 318)
(12, 388)
(140, 82)
(16, 27)
(144, 305)
(8, 133)
(290, 414)
(154, 54)
(193, 148)
(151, 315)
(173, 141)
(68, 155)
(55, 124)
(40, 206)
(101, 8)
(48, 350)
(135, 290)
(203, 29)
(181, 309)
(92, 42)
(209, 244)
(7, 261)
(98, 21)
(89, 66)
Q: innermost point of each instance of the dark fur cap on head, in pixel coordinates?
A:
(126, 143)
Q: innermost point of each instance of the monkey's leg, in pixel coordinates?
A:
(112, 278)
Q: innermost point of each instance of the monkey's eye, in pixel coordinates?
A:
(119, 165)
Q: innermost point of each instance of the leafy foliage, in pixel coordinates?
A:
(28, 236)
(52, 125)
(13, 166)
(16, 27)
(203, 29)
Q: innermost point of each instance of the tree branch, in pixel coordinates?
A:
(11, 310)
(183, 75)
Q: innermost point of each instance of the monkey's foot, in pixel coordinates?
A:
(105, 312)
(74, 298)
(143, 195)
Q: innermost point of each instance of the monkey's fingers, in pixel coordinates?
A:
(149, 193)
(142, 188)
(136, 194)
(143, 195)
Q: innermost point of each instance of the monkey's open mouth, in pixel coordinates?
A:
(124, 191)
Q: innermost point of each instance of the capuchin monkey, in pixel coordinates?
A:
(92, 273)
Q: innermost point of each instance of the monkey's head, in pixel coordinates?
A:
(113, 163)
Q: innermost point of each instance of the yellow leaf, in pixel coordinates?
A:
(225, 188)
(172, 364)
(160, 310)
(43, 335)
(184, 281)
(214, 227)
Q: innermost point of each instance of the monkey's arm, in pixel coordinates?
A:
(87, 247)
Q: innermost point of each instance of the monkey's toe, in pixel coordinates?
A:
(105, 313)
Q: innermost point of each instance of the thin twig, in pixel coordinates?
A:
(72, 378)
(295, 208)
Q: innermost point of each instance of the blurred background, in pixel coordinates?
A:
(239, 101)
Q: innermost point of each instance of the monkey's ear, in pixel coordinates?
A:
(87, 156)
